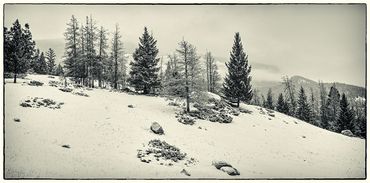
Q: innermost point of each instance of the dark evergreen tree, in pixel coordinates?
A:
(346, 117)
(41, 66)
(237, 86)
(116, 58)
(50, 57)
(303, 110)
(281, 105)
(73, 66)
(213, 77)
(323, 107)
(100, 68)
(333, 108)
(19, 48)
(144, 69)
(59, 70)
(269, 101)
(290, 95)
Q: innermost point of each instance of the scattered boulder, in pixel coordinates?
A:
(35, 83)
(230, 170)
(183, 171)
(156, 128)
(347, 133)
(17, 120)
(219, 164)
(225, 167)
(271, 114)
(130, 106)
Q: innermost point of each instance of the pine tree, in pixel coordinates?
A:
(345, 120)
(91, 58)
(173, 78)
(281, 105)
(59, 70)
(50, 57)
(189, 64)
(100, 68)
(333, 108)
(256, 100)
(116, 57)
(237, 86)
(40, 65)
(213, 77)
(144, 69)
(269, 101)
(72, 37)
(323, 106)
(303, 110)
(314, 107)
(19, 48)
(290, 95)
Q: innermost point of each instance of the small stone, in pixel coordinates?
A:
(230, 170)
(130, 106)
(66, 146)
(183, 171)
(17, 120)
(156, 128)
(219, 164)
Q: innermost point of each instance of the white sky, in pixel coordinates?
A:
(324, 42)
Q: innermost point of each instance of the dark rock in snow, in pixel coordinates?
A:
(183, 171)
(130, 106)
(17, 120)
(66, 146)
(347, 133)
(219, 164)
(66, 89)
(230, 170)
(156, 128)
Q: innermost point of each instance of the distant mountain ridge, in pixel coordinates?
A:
(277, 87)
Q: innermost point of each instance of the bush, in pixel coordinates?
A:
(162, 149)
(35, 83)
(66, 89)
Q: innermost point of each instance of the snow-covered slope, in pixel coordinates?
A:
(104, 136)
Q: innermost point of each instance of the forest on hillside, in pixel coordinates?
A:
(94, 58)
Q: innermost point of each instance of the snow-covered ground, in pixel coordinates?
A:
(104, 136)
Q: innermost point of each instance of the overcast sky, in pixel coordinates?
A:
(324, 42)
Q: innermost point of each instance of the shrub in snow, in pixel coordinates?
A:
(51, 77)
(35, 83)
(156, 128)
(54, 83)
(81, 94)
(347, 133)
(160, 150)
(25, 104)
(185, 118)
(66, 89)
(37, 102)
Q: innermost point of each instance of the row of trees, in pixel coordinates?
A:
(21, 55)
(332, 112)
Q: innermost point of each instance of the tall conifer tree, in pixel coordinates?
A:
(237, 84)
(144, 69)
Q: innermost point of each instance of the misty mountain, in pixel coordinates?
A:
(277, 87)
